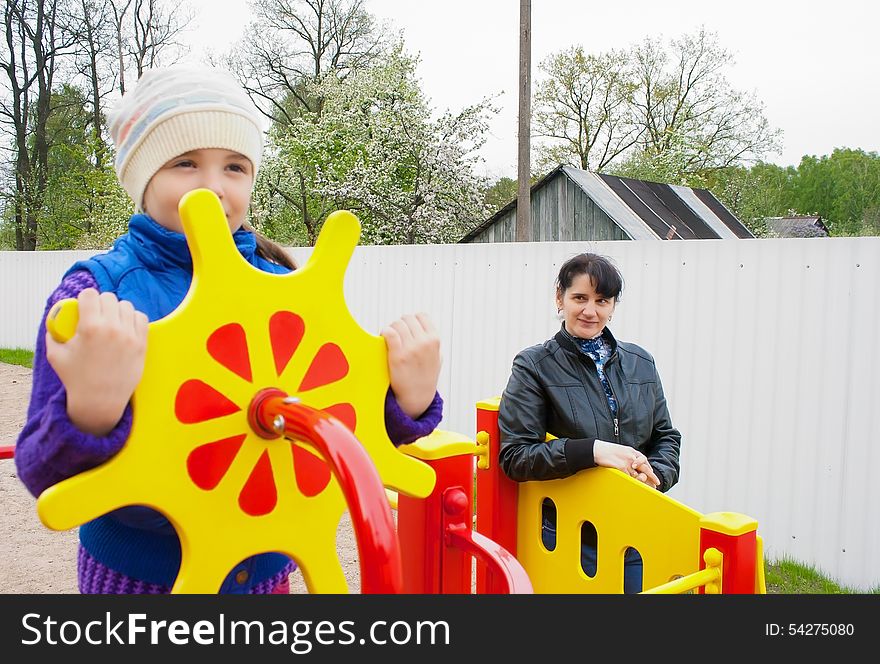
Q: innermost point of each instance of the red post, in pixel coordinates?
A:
(497, 495)
(735, 536)
(430, 565)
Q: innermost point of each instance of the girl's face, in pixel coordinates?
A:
(228, 174)
(585, 311)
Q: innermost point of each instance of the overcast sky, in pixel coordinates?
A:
(814, 64)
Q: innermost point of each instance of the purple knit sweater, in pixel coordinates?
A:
(50, 448)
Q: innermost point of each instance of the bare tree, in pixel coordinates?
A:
(686, 105)
(147, 33)
(93, 34)
(154, 29)
(584, 107)
(120, 9)
(292, 43)
(650, 111)
(33, 44)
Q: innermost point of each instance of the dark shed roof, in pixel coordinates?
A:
(722, 213)
(643, 209)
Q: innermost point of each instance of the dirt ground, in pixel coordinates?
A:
(34, 559)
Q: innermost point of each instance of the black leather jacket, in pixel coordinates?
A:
(555, 388)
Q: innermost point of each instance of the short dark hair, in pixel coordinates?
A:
(605, 276)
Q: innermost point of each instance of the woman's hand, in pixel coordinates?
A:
(645, 474)
(627, 460)
(413, 362)
(102, 363)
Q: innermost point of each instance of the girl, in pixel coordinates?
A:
(179, 129)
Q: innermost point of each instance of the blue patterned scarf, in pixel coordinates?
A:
(599, 350)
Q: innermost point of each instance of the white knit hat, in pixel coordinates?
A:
(176, 109)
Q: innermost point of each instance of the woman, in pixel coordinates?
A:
(600, 397)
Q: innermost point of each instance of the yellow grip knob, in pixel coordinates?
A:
(62, 319)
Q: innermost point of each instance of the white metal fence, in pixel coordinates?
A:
(768, 351)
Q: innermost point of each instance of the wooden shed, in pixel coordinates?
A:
(570, 204)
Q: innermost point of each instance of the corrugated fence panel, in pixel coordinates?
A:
(855, 529)
(767, 350)
(26, 281)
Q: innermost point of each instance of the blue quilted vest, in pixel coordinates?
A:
(151, 267)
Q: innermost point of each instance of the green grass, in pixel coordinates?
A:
(19, 356)
(789, 577)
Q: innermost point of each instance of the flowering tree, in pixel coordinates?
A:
(376, 150)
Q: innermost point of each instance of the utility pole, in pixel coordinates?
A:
(523, 170)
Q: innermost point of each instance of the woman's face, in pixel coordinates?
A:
(584, 311)
(228, 174)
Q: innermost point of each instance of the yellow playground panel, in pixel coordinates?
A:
(625, 513)
(672, 539)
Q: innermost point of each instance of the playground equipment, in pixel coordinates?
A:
(259, 420)
(682, 550)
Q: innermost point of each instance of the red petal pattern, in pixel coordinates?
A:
(328, 366)
(345, 413)
(259, 495)
(312, 474)
(207, 464)
(197, 401)
(228, 345)
(286, 330)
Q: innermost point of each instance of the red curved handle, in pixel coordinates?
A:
(459, 533)
(378, 548)
(498, 559)
(7, 451)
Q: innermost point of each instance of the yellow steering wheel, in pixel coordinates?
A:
(193, 455)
